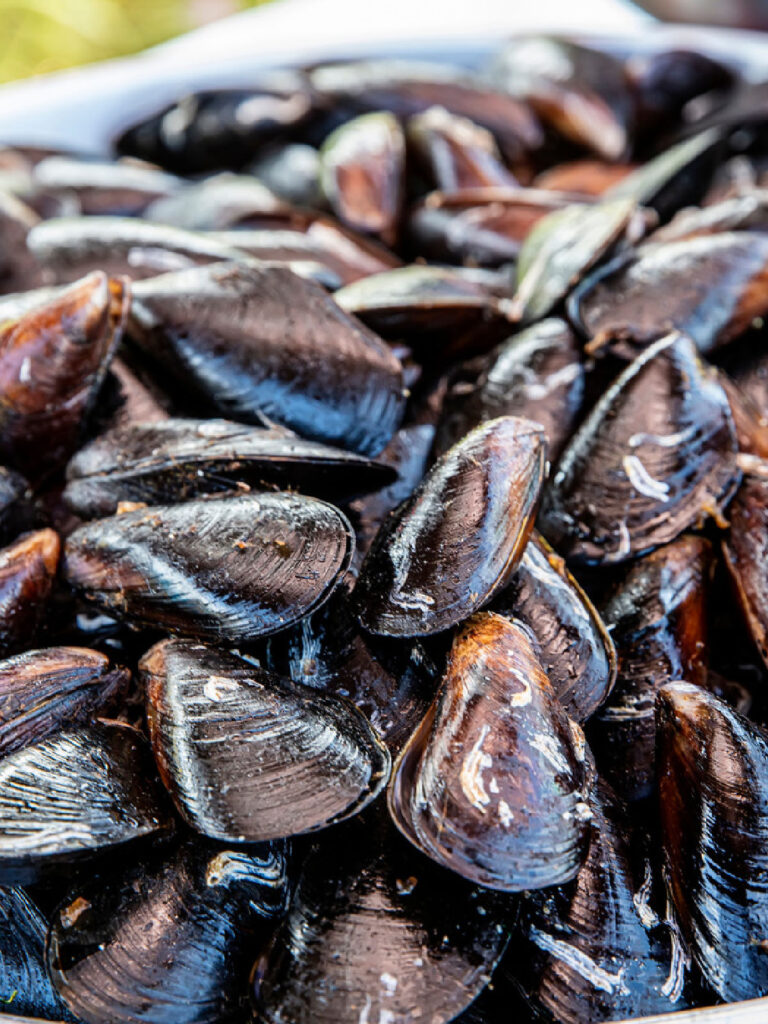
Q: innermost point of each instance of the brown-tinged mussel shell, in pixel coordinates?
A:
(536, 374)
(248, 756)
(221, 568)
(655, 456)
(53, 359)
(583, 177)
(452, 545)
(362, 170)
(711, 287)
(27, 573)
(169, 940)
(260, 340)
(19, 268)
(581, 94)
(455, 152)
(744, 554)
(713, 803)
(44, 691)
(493, 784)
(74, 794)
(596, 949)
(25, 987)
(575, 648)
(376, 932)
(123, 187)
(657, 617)
(176, 459)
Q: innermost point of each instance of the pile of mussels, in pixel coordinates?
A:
(384, 505)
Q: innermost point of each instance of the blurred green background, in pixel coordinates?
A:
(37, 36)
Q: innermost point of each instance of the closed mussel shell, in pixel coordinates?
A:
(248, 756)
(44, 691)
(103, 187)
(169, 940)
(231, 567)
(713, 800)
(576, 650)
(177, 459)
(655, 455)
(14, 504)
(657, 616)
(74, 794)
(27, 573)
(256, 340)
(372, 933)
(450, 547)
(744, 551)
(596, 949)
(494, 782)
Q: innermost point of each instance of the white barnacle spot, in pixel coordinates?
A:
(624, 539)
(582, 964)
(505, 813)
(25, 371)
(388, 983)
(217, 687)
(363, 1018)
(471, 775)
(550, 748)
(493, 785)
(642, 481)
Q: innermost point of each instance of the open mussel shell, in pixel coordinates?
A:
(44, 691)
(713, 802)
(223, 568)
(362, 170)
(657, 617)
(27, 573)
(53, 359)
(710, 287)
(575, 648)
(372, 934)
(596, 949)
(176, 459)
(169, 940)
(253, 340)
(25, 987)
(494, 782)
(536, 374)
(744, 551)
(74, 794)
(656, 455)
(421, 576)
(248, 756)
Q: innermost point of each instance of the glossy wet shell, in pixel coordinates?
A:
(655, 456)
(223, 568)
(744, 551)
(27, 573)
(259, 340)
(169, 940)
(713, 765)
(446, 551)
(248, 756)
(494, 782)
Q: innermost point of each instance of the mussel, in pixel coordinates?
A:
(27, 572)
(744, 555)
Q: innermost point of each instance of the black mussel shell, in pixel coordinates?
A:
(362, 170)
(575, 648)
(711, 287)
(134, 401)
(455, 152)
(745, 550)
(561, 247)
(176, 459)
(581, 94)
(713, 802)
(27, 573)
(25, 987)
(53, 359)
(536, 374)
(248, 756)
(655, 456)
(657, 616)
(14, 504)
(376, 933)
(449, 548)
(171, 939)
(292, 171)
(231, 568)
(260, 340)
(596, 950)
(74, 794)
(99, 187)
(44, 691)
(494, 782)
